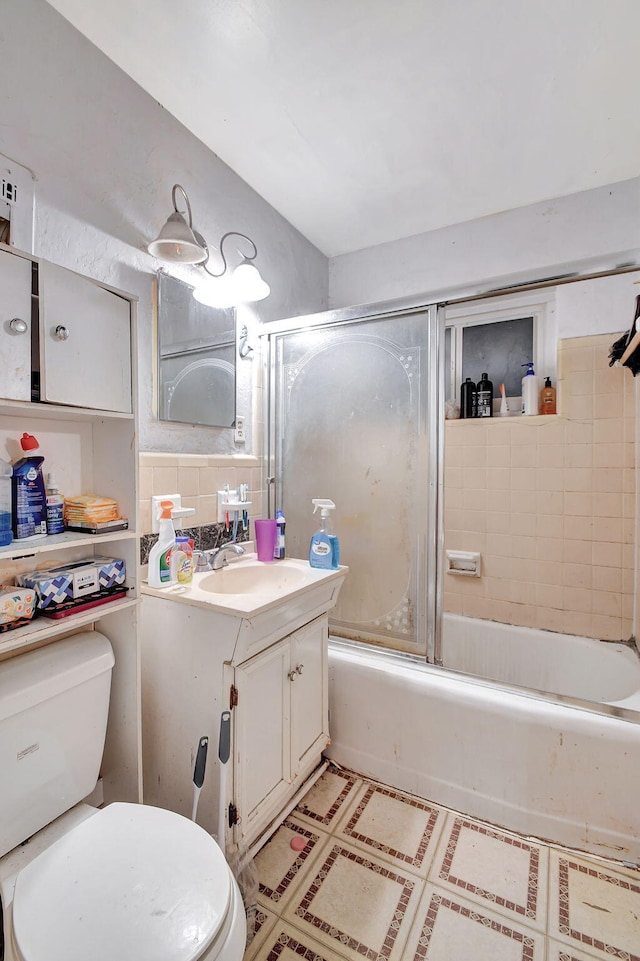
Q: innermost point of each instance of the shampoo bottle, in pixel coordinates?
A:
(55, 507)
(548, 398)
(324, 549)
(484, 397)
(162, 571)
(29, 506)
(468, 398)
(530, 392)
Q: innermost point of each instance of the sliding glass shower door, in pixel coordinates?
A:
(354, 417)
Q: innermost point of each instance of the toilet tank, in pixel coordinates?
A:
(54, 704)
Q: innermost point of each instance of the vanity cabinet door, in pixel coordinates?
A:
(309, 694)
(262, 767)
(15, 327)
(281, 725)
(85, 342)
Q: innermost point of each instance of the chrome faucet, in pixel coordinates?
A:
(219, 559)
(215, 559)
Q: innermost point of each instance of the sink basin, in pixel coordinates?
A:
(247, 577)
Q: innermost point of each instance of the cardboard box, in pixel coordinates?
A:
(72, 581)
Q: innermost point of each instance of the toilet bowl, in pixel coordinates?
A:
(128, 882)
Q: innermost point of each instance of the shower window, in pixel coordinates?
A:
(500, 343)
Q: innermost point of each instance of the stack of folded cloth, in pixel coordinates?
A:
(89, 511)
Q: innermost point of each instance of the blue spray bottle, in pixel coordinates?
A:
(324, 549)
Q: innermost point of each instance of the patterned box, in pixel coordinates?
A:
(73, 581)
(17, 605)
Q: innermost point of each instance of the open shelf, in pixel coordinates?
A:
(55, 542)
(42, 628)
(57, 411)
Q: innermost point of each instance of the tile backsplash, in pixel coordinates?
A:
(550, 504)
(198, 477)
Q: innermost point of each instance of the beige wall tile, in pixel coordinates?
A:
(188, 481)
(165, 480)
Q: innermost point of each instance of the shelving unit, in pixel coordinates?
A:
(91, 451)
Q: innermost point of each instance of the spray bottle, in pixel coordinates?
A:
(324, 549)
(162, 571)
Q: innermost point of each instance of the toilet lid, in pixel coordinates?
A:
(131, 882)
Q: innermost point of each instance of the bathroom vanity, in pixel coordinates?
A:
(251, 639)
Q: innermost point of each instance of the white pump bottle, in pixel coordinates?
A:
(530, 390)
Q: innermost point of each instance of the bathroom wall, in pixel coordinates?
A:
(105, 155)
(601, 226)
(550, 504)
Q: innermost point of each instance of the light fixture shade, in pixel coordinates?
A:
(215, 293)
(177, 243)
(248, 285)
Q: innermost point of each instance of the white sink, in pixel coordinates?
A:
(253, 577)
(248, 587)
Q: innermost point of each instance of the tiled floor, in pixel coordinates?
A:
(386, 876)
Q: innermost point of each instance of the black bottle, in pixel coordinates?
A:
(484, 398)
(468, 399)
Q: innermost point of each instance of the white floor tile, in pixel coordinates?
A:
(502, 871)
(594, 908)
(356, 905)
(450, 928)
(394, 826)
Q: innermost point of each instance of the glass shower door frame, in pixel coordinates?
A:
(429, 560)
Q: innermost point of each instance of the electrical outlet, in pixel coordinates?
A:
(239, 435)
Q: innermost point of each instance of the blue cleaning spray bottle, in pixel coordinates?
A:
(324, 549)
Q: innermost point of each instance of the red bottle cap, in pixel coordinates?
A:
(29, 442)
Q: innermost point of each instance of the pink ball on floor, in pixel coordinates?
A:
(297, 844)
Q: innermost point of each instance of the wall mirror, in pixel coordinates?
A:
(196, 358)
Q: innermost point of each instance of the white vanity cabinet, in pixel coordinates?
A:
(264, 660)
(73, 333)
(281, 725)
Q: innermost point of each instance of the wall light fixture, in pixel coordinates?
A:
(180, 243)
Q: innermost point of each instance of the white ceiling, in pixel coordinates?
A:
(363, 121)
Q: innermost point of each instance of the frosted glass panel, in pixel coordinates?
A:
(351, 426)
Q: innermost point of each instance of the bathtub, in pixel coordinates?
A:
(553, 766)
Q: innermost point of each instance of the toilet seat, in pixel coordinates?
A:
(132, 881)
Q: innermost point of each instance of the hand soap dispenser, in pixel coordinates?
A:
(530, 393)
(324, 549)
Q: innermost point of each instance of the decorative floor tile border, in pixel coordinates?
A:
(286, 940)
(439, 901)
(563, 907)
(528, 910)
(326, 819)
(304, 911)
(275, 894)
(415, 860)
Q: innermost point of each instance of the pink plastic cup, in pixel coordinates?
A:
(266, 533)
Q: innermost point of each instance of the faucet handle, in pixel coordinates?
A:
(202, 561)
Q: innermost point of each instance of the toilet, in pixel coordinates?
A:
(127, 881)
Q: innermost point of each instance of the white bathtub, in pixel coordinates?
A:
(550, 768)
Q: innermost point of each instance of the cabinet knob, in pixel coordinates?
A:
(18, 325)
(294, 673)
(61, 333)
